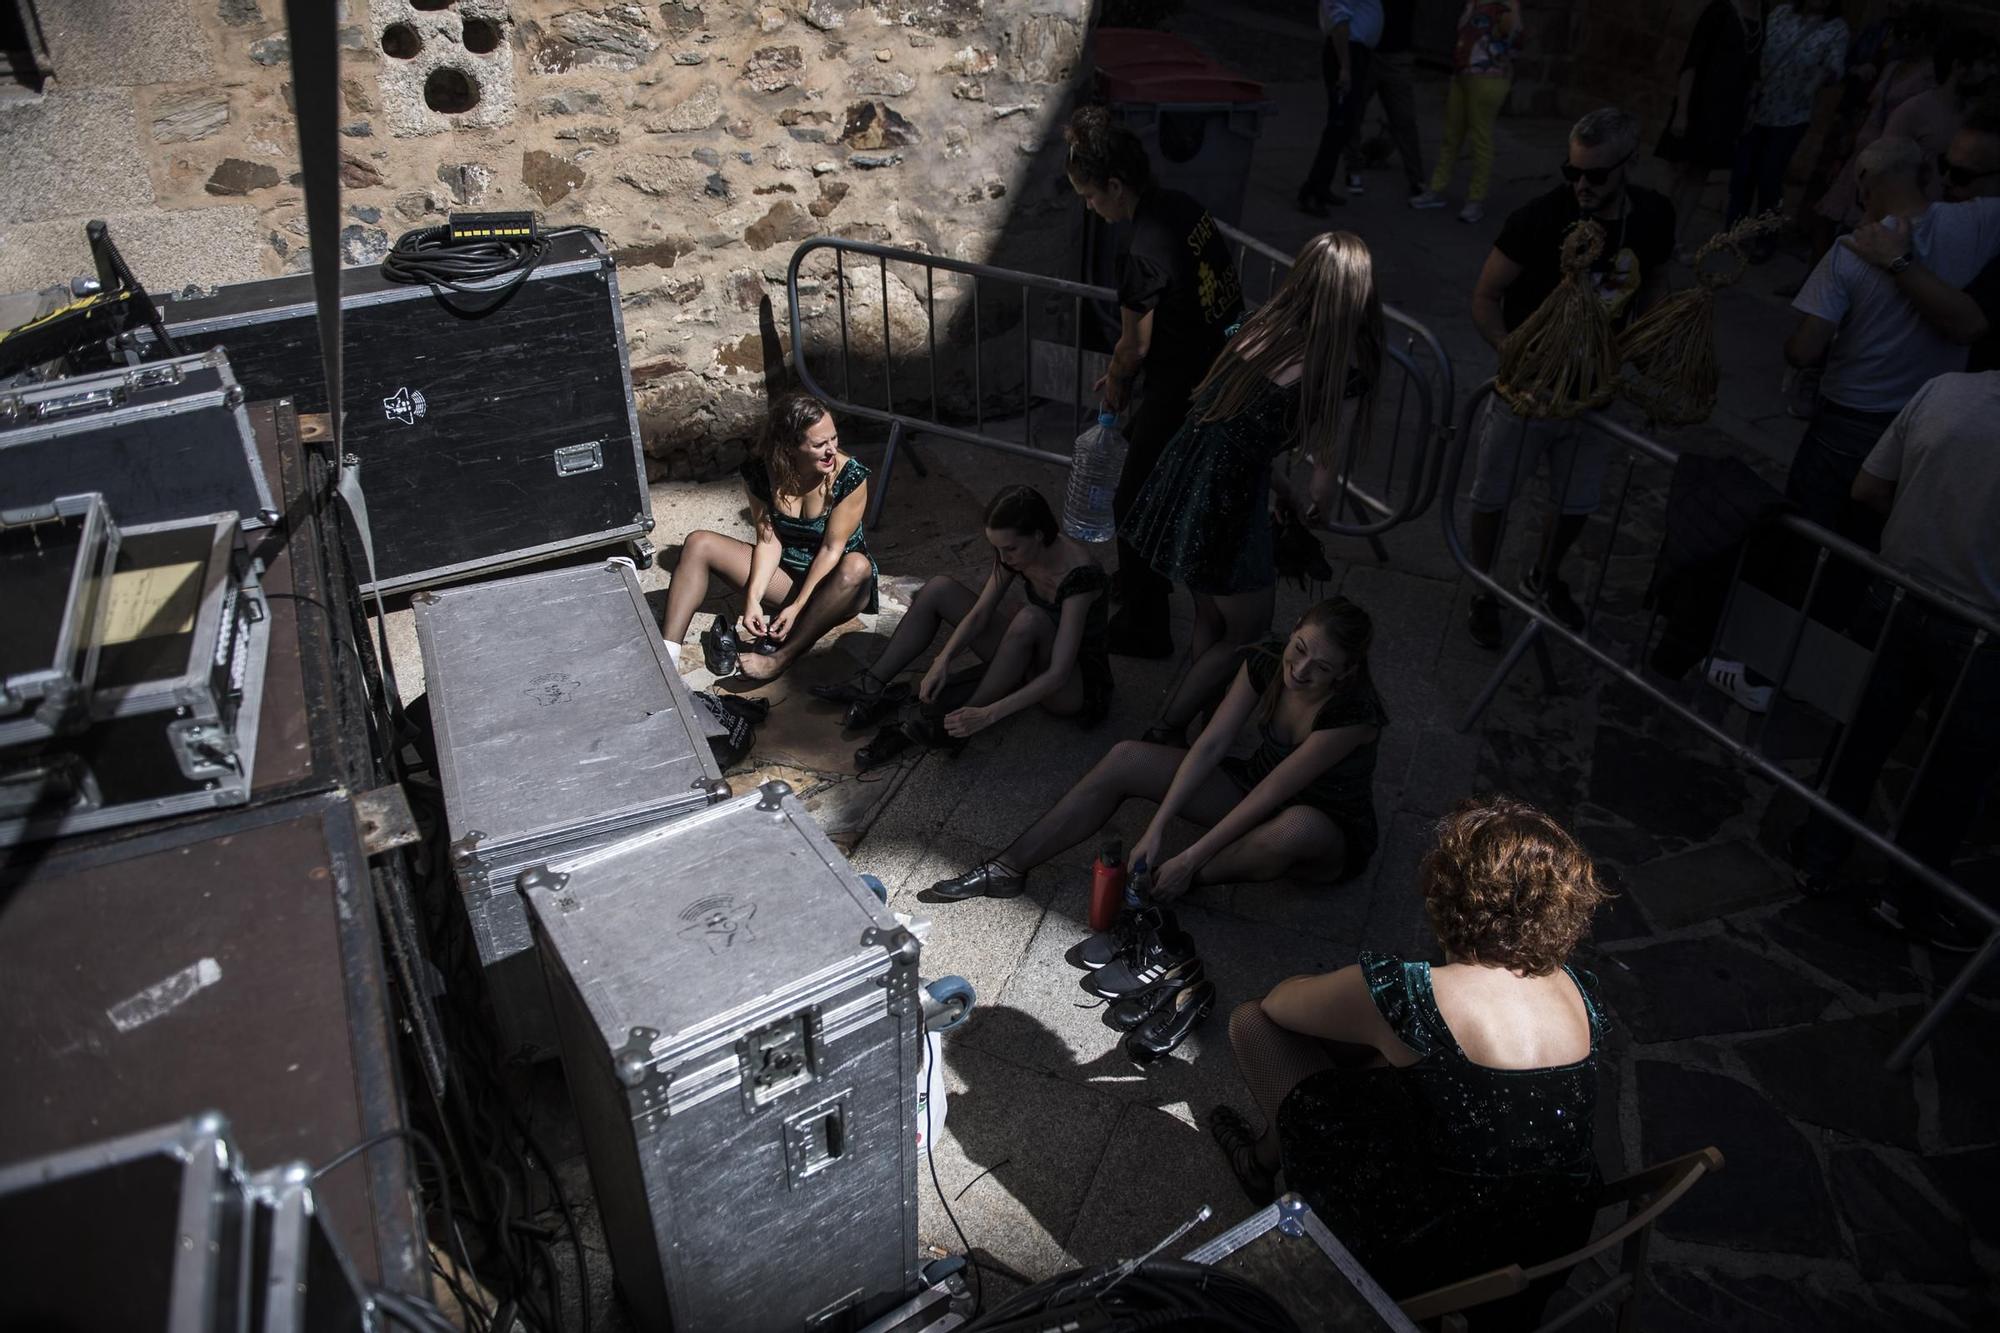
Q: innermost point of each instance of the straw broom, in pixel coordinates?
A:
(1562, 361)
(1671, 348)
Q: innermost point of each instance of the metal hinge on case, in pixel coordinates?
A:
(1290, 1208)
(646, 1087)
(465, 851)
(717, 788)
(901, 978)
(549, 881)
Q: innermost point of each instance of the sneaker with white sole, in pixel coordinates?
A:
(1426, 199)
(1475, 211)
(1354, 185)
(1729, 677)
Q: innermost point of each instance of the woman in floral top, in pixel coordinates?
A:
(1805, 48)
(1489, 33)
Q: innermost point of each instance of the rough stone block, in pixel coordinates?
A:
(204, 247)
(1831, 1074)
(71, 153)
(184, 117)
(119, 43)
(1707, 987)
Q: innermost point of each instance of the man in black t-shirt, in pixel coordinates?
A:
(1178, 292)
(1522, 270)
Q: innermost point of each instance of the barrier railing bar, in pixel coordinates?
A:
(1937, 731)
(888, 348)
(1027, 364)
(1797, 637)
(840, 290)
(978, 381)
(930, 306)
(1541, 624)
(1604, 561)
(1874, 660)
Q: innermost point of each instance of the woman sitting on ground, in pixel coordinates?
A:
(1301, 806)
(1301, 371)
(810, 561)
(1439, 1118)
(1051, 652)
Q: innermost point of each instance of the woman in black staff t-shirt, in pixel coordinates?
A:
(1177, 293)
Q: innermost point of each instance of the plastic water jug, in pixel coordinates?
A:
(1093, 480)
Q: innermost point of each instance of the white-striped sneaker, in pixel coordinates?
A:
(1729, 678)
(1426, 199)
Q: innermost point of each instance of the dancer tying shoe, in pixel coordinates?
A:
(1051, 652)
(810, 560)
(1300, 806)
(1299, 372)
(1439, 1118)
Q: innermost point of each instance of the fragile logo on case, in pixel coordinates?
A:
(554, 688)
(405, 405)
(721, 919)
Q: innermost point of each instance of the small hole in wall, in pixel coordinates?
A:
(400, 41)
(481, 36)
(430, 4)
(450, 91)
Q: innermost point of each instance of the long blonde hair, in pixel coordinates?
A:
(1327, 317)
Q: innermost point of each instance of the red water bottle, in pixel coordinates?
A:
(1107, 886)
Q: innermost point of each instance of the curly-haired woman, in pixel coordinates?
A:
(1439, 1118)
(810, 559)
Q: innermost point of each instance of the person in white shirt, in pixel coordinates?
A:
(1936, 474)
(1875, 345)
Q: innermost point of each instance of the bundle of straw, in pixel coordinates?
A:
(1562, 362)
(1671, 347)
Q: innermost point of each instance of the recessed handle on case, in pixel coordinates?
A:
(575, 458)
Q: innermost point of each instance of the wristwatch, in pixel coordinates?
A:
(1900, 262)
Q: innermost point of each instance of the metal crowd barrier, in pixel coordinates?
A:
(909, 400)
(1747, 616)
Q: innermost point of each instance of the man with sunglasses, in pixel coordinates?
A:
(1521, 271)
(1970, 169)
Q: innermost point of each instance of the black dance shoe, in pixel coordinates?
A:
(988, 879)
(1121, 939)
(1157, 953)
(869, 709)
(860, 685)
(1133, 1010)
(1239, 1145)
(1168, 1026)
(721, 650)
(889, 745)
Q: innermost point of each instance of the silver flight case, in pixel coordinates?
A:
(561, 725)
(55, 566)
(740, 1025)
(176, 698)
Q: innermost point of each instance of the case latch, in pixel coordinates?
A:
(575, 458)
(778, 1057)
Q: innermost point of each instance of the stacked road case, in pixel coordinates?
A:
(740, 1025)
(561, 725)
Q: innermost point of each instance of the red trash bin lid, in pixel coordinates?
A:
(1114, 47)
(1170, 84)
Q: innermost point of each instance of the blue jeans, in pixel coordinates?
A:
(1821, 483)
(1920, 660)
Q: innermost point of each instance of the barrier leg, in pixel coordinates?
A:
(1530, 634)
(886, 475)
(1953, 993)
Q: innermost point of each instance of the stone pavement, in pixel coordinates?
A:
(1745, 1018)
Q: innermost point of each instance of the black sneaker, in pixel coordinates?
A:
(1169, 1025)
(1133, 1010)
(1123, 937)
(1128, 637)
(1554, 596)
(988, 879)
(1484, 621)
(1157, 953)
(720, 649)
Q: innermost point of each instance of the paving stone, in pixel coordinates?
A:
(1831, 1074)
(1899, 1231)
(91, 42)
(1442, 772)
(1769, 1196)
(1157, 1173)
(1335, 912)
(1017, 1155)
(1046, 1020)
(1618, 918)
(168, 250)
(1547, 774)
(1971, 1181)
(981, 939)
(1707, 987)
(1619, 843)
(1705, 883)
(1966, 1053)
(1704, 1301)
(1396, 920)
(1831, 935)
(1409, 612)
(1661, 787)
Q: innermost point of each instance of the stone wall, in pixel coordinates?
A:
(703, 137)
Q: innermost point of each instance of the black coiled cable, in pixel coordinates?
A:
(429, 256)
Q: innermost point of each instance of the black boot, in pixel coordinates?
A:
(1169, 1025)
